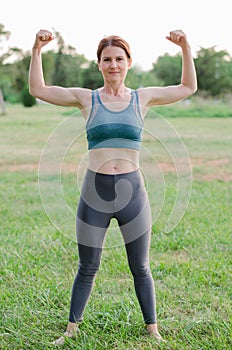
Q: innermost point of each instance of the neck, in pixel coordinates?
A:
(119, 90)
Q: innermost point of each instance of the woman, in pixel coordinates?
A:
(113, 186)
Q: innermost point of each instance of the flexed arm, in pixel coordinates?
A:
(36, 77)
(188, 78)
(53, 94)
(163, 95)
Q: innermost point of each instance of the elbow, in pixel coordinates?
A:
(194, 86)
(195, 89)
(190, 87)
(34, 92)
(192, 90)
(31, 92)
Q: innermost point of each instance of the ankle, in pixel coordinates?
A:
(71, 328)
(152, 327)
(152, 331)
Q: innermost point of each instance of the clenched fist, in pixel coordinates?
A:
(178, 37)
(43, 37)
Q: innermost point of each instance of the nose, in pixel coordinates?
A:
(113, 64)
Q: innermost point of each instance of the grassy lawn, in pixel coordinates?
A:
(44, 149)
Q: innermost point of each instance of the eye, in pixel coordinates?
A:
(106, 59)
(119, 59)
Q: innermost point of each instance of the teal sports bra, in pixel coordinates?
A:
(114, 129)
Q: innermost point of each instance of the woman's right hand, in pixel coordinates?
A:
(43, 37)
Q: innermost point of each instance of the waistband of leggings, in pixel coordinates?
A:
(129, 175)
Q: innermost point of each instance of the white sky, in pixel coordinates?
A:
(143, 23)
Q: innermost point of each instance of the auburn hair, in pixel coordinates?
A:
(113, 40)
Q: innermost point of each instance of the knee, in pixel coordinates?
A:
(140, 270)
(88, 268)
(89, 260)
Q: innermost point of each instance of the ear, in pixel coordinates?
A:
(129, 63)
(99, 66)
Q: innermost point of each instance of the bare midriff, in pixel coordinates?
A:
(113, 160)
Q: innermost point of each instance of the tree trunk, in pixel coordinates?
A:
(2, 102)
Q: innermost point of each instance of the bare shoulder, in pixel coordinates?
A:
(83, 96)
(149, 94)
(159, 95)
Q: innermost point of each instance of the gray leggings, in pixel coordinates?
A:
(123, 197)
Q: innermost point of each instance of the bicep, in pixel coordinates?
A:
(61, 96)
(152, 96)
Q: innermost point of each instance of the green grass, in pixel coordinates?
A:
(191, 265)
(196, 107)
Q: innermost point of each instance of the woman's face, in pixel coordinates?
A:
(114, 63)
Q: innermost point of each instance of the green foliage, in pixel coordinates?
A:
(136, 77)
(214, 71)
(67, 70)
(168, 69)
(4, 36)
(27, 99)
(59, 74)
(49, 58)
(92, 78)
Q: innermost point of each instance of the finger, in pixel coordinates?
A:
(176, 35)
(45, 35)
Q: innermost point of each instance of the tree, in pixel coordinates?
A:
(68, 65)
(27, 99)
(11, 88)
(168, 69)
(214, 71)
(2, 102)
(92, 78)
(4, 36)
(134, 77)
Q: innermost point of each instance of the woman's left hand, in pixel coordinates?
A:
(178, 37)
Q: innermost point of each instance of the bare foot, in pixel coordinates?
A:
(70, 333)
(152, 331)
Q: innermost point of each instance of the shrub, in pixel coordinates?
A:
(27, 99)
